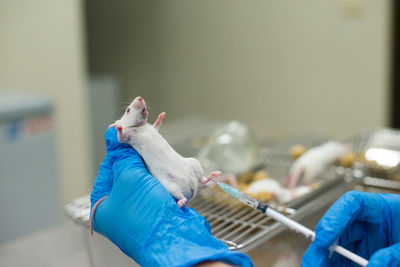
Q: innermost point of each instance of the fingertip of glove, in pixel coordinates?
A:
(110, 132)
(385, 257)
(315, 256)
(325, 234)
(377, 258)
(336, 219)
(111, 138)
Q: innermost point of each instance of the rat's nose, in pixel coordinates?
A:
(140, 99)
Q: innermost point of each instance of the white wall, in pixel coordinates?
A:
(280, 66)
(42, 53)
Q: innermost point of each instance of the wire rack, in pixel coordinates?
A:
(239, 226)
(243, 228)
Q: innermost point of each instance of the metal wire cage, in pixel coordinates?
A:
(239, 226)
(243, 228)
(246, 230)
(380, 160)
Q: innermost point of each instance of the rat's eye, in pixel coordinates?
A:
(127, 111)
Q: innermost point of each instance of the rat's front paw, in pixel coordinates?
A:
(182, 202)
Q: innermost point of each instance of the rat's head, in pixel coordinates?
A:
(135, 115)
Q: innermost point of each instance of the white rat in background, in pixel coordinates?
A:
(279, 192)
(314, 161)
(179, 175)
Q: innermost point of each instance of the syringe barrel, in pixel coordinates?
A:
(248, 200)
(299, 228)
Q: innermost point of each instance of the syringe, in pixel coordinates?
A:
(293, 225)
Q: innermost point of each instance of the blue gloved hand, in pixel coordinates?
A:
(144, 221)
(365, 223)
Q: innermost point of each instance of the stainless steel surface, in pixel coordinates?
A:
(381, 183)
(376, 138)
(385, 170)
(377, 187)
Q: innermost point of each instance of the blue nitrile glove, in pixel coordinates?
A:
(144, 220)
(365, 223)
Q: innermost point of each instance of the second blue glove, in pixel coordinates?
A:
(365, 223)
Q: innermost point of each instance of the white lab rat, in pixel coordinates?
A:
(179, 175)
(279, 192)
(315, 161)
(266, 185)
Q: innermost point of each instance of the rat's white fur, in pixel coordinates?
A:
(179, 175)
(315, 161)
(279, 192)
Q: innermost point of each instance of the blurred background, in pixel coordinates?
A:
(68, 68)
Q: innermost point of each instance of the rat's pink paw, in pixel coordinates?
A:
(159, 120)
(182, 202)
